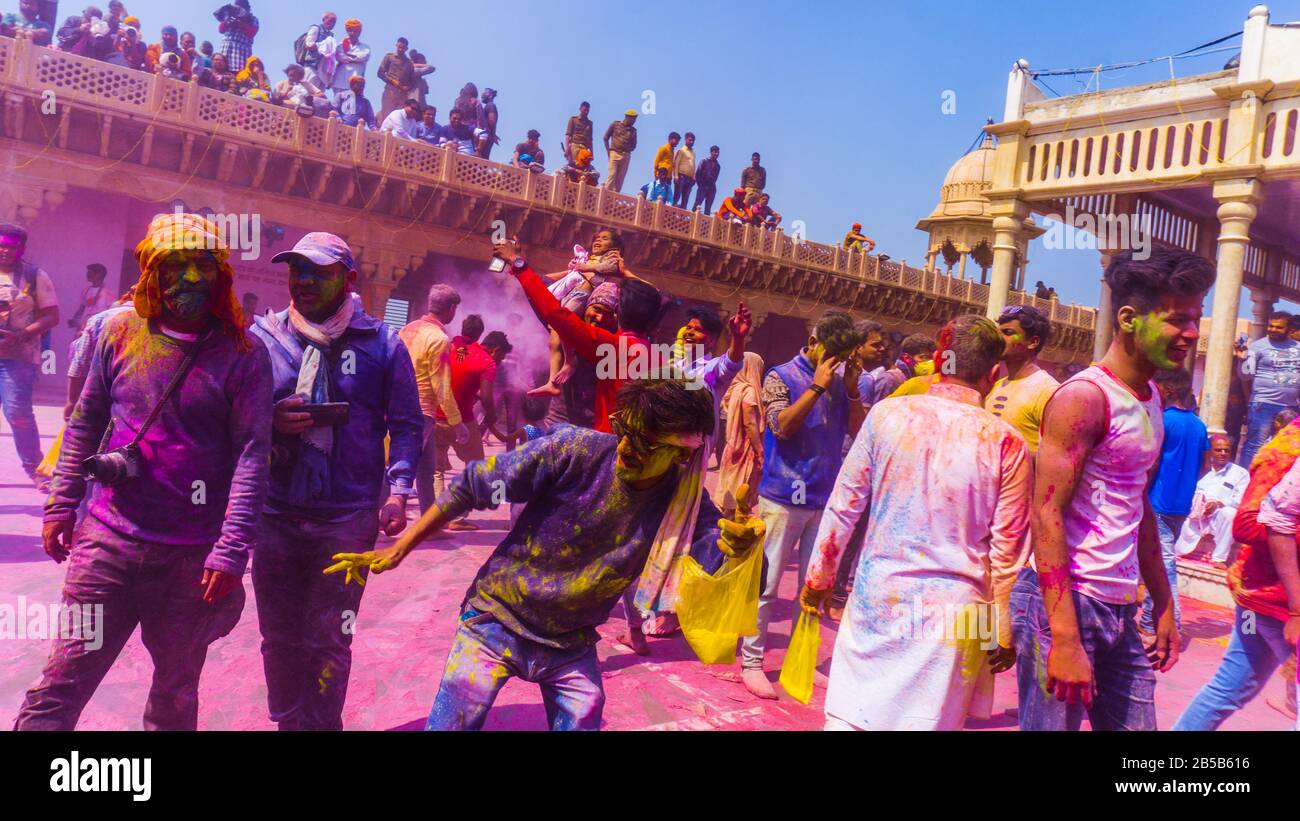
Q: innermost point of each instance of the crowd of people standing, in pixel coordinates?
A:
(1030, 512)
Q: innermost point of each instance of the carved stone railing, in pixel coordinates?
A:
(33, 71)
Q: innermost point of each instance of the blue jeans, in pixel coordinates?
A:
(306, 617)
(1126, 684)
(1168, 527)
(16, 381)
(1254, 653)
(1259, 429)
(484, 655)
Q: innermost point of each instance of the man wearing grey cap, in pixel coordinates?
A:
(342, 381)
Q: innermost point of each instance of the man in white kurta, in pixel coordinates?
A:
(1218, 495)
(945, 484)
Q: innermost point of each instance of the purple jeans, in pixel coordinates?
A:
(306, 617)
(154, 586)
(484, 655)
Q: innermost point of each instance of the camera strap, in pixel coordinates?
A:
(184, 369)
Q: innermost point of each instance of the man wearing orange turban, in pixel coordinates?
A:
(167, 534)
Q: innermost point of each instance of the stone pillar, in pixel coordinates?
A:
(961, 269)
(1237, 201)
(374, 289)
(1105, 330)
(1264, 301)
(380, 270)
(1008, 223)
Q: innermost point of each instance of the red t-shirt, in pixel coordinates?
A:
(470, 365)
(587, 341)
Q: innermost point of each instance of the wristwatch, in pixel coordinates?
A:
(817, 389)
(520, 263)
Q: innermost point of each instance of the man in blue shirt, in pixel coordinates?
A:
(661, 187)
(332, 489)
(809, 407)
(353, 107)
(1272, 372)
(1182, 460)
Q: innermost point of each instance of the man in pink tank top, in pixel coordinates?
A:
(1094, 532)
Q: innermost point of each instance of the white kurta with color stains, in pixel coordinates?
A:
(946, 485)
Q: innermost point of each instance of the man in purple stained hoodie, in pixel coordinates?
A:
(331, 490)
(165, 543)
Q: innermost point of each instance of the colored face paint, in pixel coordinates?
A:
(641, 458)
(1154, 337)
(11, 251)
(316, 290)
(186, 279)
(693, 333)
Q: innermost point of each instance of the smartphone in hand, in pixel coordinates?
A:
(327, 414)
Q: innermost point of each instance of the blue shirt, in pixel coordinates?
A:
(658, 190)
(1186, 440)
(1275, 367)
(369, 369)
(353, 109)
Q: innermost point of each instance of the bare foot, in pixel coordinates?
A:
(663, 624)
(835, 614)
(635, 640)
(756, 682)
(461, 524)
(548, 389)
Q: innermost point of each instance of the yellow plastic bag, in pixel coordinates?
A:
(801, 658)
(46, 468)
(715, 611)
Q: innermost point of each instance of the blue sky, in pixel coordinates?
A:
(844, 100)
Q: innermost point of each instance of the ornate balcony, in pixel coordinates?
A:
(417, 198)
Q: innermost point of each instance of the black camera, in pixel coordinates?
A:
(228, 10)
(115, 466)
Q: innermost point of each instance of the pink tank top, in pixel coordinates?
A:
(1101, 522)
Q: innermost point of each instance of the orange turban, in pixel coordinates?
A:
(187, 232)
(582, 157)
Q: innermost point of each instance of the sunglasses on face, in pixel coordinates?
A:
(640, 444)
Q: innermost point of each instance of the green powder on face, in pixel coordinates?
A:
(1148, 332)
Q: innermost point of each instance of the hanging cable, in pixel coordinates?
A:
(1198, 51)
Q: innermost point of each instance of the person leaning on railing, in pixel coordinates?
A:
(27, 21)
(219, 77)
(733, 208)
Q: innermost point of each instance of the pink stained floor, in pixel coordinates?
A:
(405, 627)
